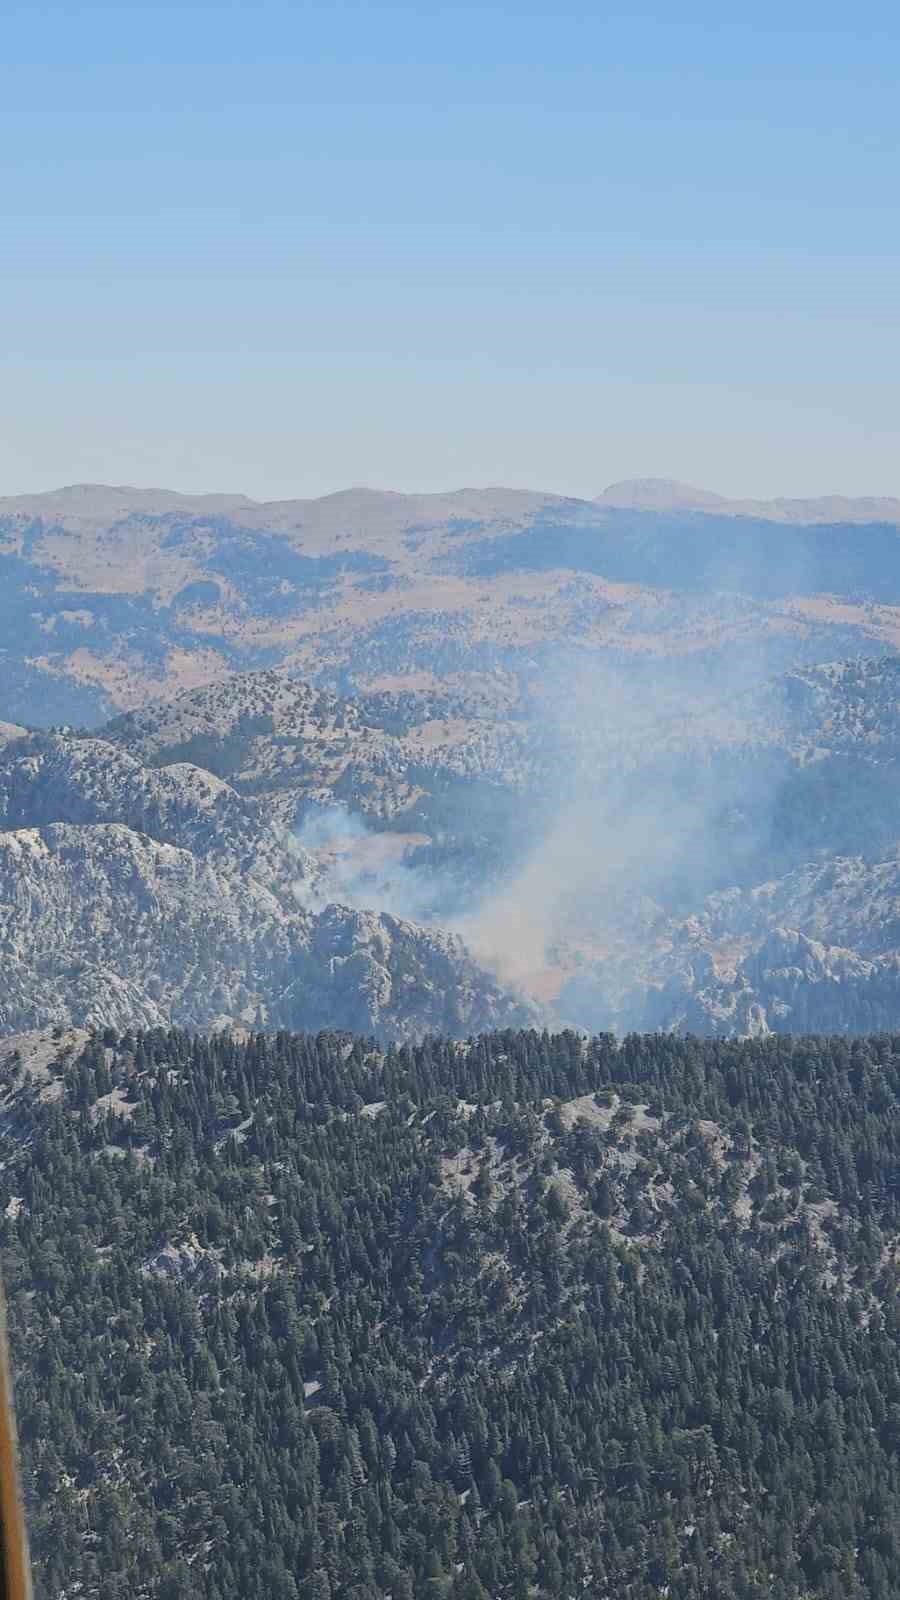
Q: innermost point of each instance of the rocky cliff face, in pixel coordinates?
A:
(789, 984)
(133, 896)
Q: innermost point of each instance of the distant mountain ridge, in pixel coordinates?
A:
(666, 494)
(97, 501)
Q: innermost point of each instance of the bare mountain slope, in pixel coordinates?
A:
(279, 737)
(794, 810)
(819, 946)
(267, 733)
(102, 925)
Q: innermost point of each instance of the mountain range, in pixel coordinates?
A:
(441, 763)
(666, 494)
(111, 596)
(261, 853)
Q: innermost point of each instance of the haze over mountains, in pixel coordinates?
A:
(405, 763)
(665, 494)
(110, 596)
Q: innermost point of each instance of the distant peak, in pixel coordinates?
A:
(361, 491)
(666, 494)
(658, 494)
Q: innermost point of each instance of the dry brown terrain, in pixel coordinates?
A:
(125, 595)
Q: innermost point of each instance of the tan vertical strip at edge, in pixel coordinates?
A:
(16, 1567)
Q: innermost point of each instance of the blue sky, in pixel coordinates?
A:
(285, 248)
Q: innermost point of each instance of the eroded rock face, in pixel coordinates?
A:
(55, 994)
(799, 985)
(398, 977)
(132, 896)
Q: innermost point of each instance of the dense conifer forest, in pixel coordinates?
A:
(530, 1316)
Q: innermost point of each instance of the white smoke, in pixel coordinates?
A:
(363, 867)
(660, 794)
(642, 814)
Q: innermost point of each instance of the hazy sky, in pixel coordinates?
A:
(284, 247)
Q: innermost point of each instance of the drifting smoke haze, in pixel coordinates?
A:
(644, 824)
(362, 867)
(655, 784)
(660, 795)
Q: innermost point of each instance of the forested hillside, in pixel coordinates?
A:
(529, 1316)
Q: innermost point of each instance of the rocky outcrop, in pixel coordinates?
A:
(382, 974)
(47, 778)
(131, 896)
(791, 984)
(187, 1262)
